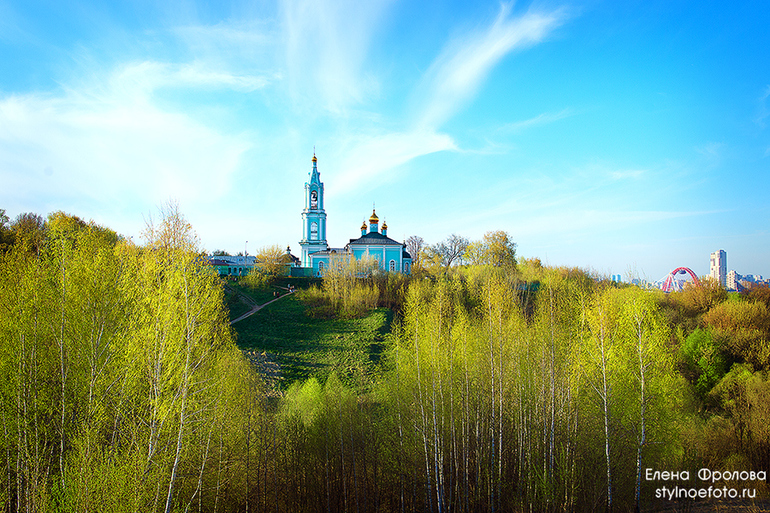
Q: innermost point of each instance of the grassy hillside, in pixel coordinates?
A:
(305, 347)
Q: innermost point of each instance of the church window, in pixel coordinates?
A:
(313, 199)
(320, 267)
(392, 266)
(314, 231)
(406, 267)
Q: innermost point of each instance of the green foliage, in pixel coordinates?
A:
(258, 279)
(353, 287)
(759, 293)
(306, 346)
(495, 249)
(470, 359)
(693, 302)
(270, 266)
(705, 362)
(534, 388)
(744, 396)
(6, 233)
(743, 327)
(112, 368)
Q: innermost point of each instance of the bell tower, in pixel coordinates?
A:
(313, 216)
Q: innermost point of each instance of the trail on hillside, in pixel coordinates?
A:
(257, 308)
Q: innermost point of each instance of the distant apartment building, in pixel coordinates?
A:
(733, 281)
(718, 267)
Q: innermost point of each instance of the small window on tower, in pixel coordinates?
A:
(313, 199)
(314, 231)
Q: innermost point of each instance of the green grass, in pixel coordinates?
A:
(238, 306)
(306, 347)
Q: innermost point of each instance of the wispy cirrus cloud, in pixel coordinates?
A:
(327, 43)
(539, 120)
(110, 150)
(712, 152)
(147, 76)
(627, 174)
(364, 161)
(456, 76)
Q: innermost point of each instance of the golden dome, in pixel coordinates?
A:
(363, 225)
(385, 225)
(374, 218)
(314, 159)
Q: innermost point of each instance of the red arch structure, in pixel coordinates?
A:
(670, 284)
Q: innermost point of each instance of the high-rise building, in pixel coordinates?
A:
(718, 267)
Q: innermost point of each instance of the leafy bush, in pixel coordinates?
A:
(705, 362)
(743, 327)
(258, 280)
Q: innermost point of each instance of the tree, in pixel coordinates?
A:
(601, 350)
(744, 394)
(29, 231)
(441, 256)
(117, 368)
(645, 334)
(270, 260)
(495, 249)
(743, 328)
(415, 245)
(6, 234)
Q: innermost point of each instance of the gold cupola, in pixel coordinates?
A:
(373, 222)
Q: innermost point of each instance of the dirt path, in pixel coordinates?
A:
(264, 362)
(257, 308)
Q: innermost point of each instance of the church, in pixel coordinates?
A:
(374, 243)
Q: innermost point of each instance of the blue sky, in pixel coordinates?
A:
(615, 136)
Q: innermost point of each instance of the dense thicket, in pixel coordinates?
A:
(122, 389)
(508, 386)
(536, 389)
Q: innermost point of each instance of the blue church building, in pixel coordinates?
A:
(373, 244)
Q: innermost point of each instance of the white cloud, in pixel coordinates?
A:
(143, 78)
(539, 120)
(327, 42)
(627, 174)
(244, 39)
(365, 161)
(457, 74)
(712, 153)
(114, 152)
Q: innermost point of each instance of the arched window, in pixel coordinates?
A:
(406, 267)
(320, 267)
(392, 267)
(313, 231)
(313, 199)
